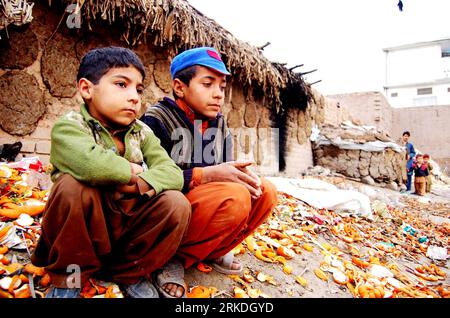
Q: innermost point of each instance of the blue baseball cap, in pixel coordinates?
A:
(204, 56)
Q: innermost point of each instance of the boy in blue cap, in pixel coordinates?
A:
(228, 200)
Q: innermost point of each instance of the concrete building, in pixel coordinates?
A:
(418, 74)
(416, 98)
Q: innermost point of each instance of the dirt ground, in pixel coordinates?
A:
(287, 287)
(432, 210)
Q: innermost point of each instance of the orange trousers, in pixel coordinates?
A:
(223, 214)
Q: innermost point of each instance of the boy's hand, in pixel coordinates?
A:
(135, 168)
(131, 187)
(233, 172)
(243, 167)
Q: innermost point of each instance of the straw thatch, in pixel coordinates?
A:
(17, 12)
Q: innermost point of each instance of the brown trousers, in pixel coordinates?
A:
(121, 241)
(429, 183)
(420, 185)
(223, 214)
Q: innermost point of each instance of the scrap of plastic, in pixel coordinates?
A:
(381, 209)
(436, 252)
(11, 239)
(27, 163)
(323, 195)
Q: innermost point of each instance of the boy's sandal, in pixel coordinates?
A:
(224, 264)
(171, 273)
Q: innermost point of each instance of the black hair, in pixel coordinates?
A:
(406, 133)
(98, 62)
(185, 75)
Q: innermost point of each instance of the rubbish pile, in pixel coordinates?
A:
(398, 254)
(23, 194)
(368, 248)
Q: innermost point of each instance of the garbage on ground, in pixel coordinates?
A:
(399, 253)
(323, 195)
(436, 252)
(369, 258)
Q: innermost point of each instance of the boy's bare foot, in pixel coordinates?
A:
(234, 266)
(227, 264)
(174, 290)
(170, 280)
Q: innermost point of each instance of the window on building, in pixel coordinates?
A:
(394, 94)
(425, 91)
(448, 89)
(445, 49)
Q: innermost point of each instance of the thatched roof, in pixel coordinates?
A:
(176, 26)
(17, 12)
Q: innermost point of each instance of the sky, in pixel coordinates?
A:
(342, 39)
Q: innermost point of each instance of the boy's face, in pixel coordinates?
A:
(116, 99)
(405, 138)
(425, 160)
(419, 160)
(205, 94)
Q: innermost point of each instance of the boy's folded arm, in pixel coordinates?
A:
(163, 173)
(75, 152)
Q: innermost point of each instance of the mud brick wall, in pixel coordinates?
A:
(383, 167)
(38, 66)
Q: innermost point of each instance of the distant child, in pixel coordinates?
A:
(228, 200)
(420, 173)
(112, 212)
(410, 153)
(426, 160)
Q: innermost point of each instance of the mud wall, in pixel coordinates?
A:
(38, 66)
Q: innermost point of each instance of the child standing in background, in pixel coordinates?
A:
(420, 173)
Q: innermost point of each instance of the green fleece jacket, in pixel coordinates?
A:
(83, 148)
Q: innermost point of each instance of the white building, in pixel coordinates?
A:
(418, 74)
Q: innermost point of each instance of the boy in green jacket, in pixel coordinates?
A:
(112, 213)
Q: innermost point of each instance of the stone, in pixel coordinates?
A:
(60, 66)
(341, 164)
(368, 180)
(43, 147)
(42, 133)
(382, 137)
(238, 98)
(365, 154)
(28, 146)
(22, 103)
(301, 135)
(364, 172)
(20, 50)
(352, 169)
(234, 119)
(301, 132)
(373, 171)
(162, 76)
(392, 186)
(353, 154)
(250, 115)
(264, 118)
(147, 54)
(364, 163)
